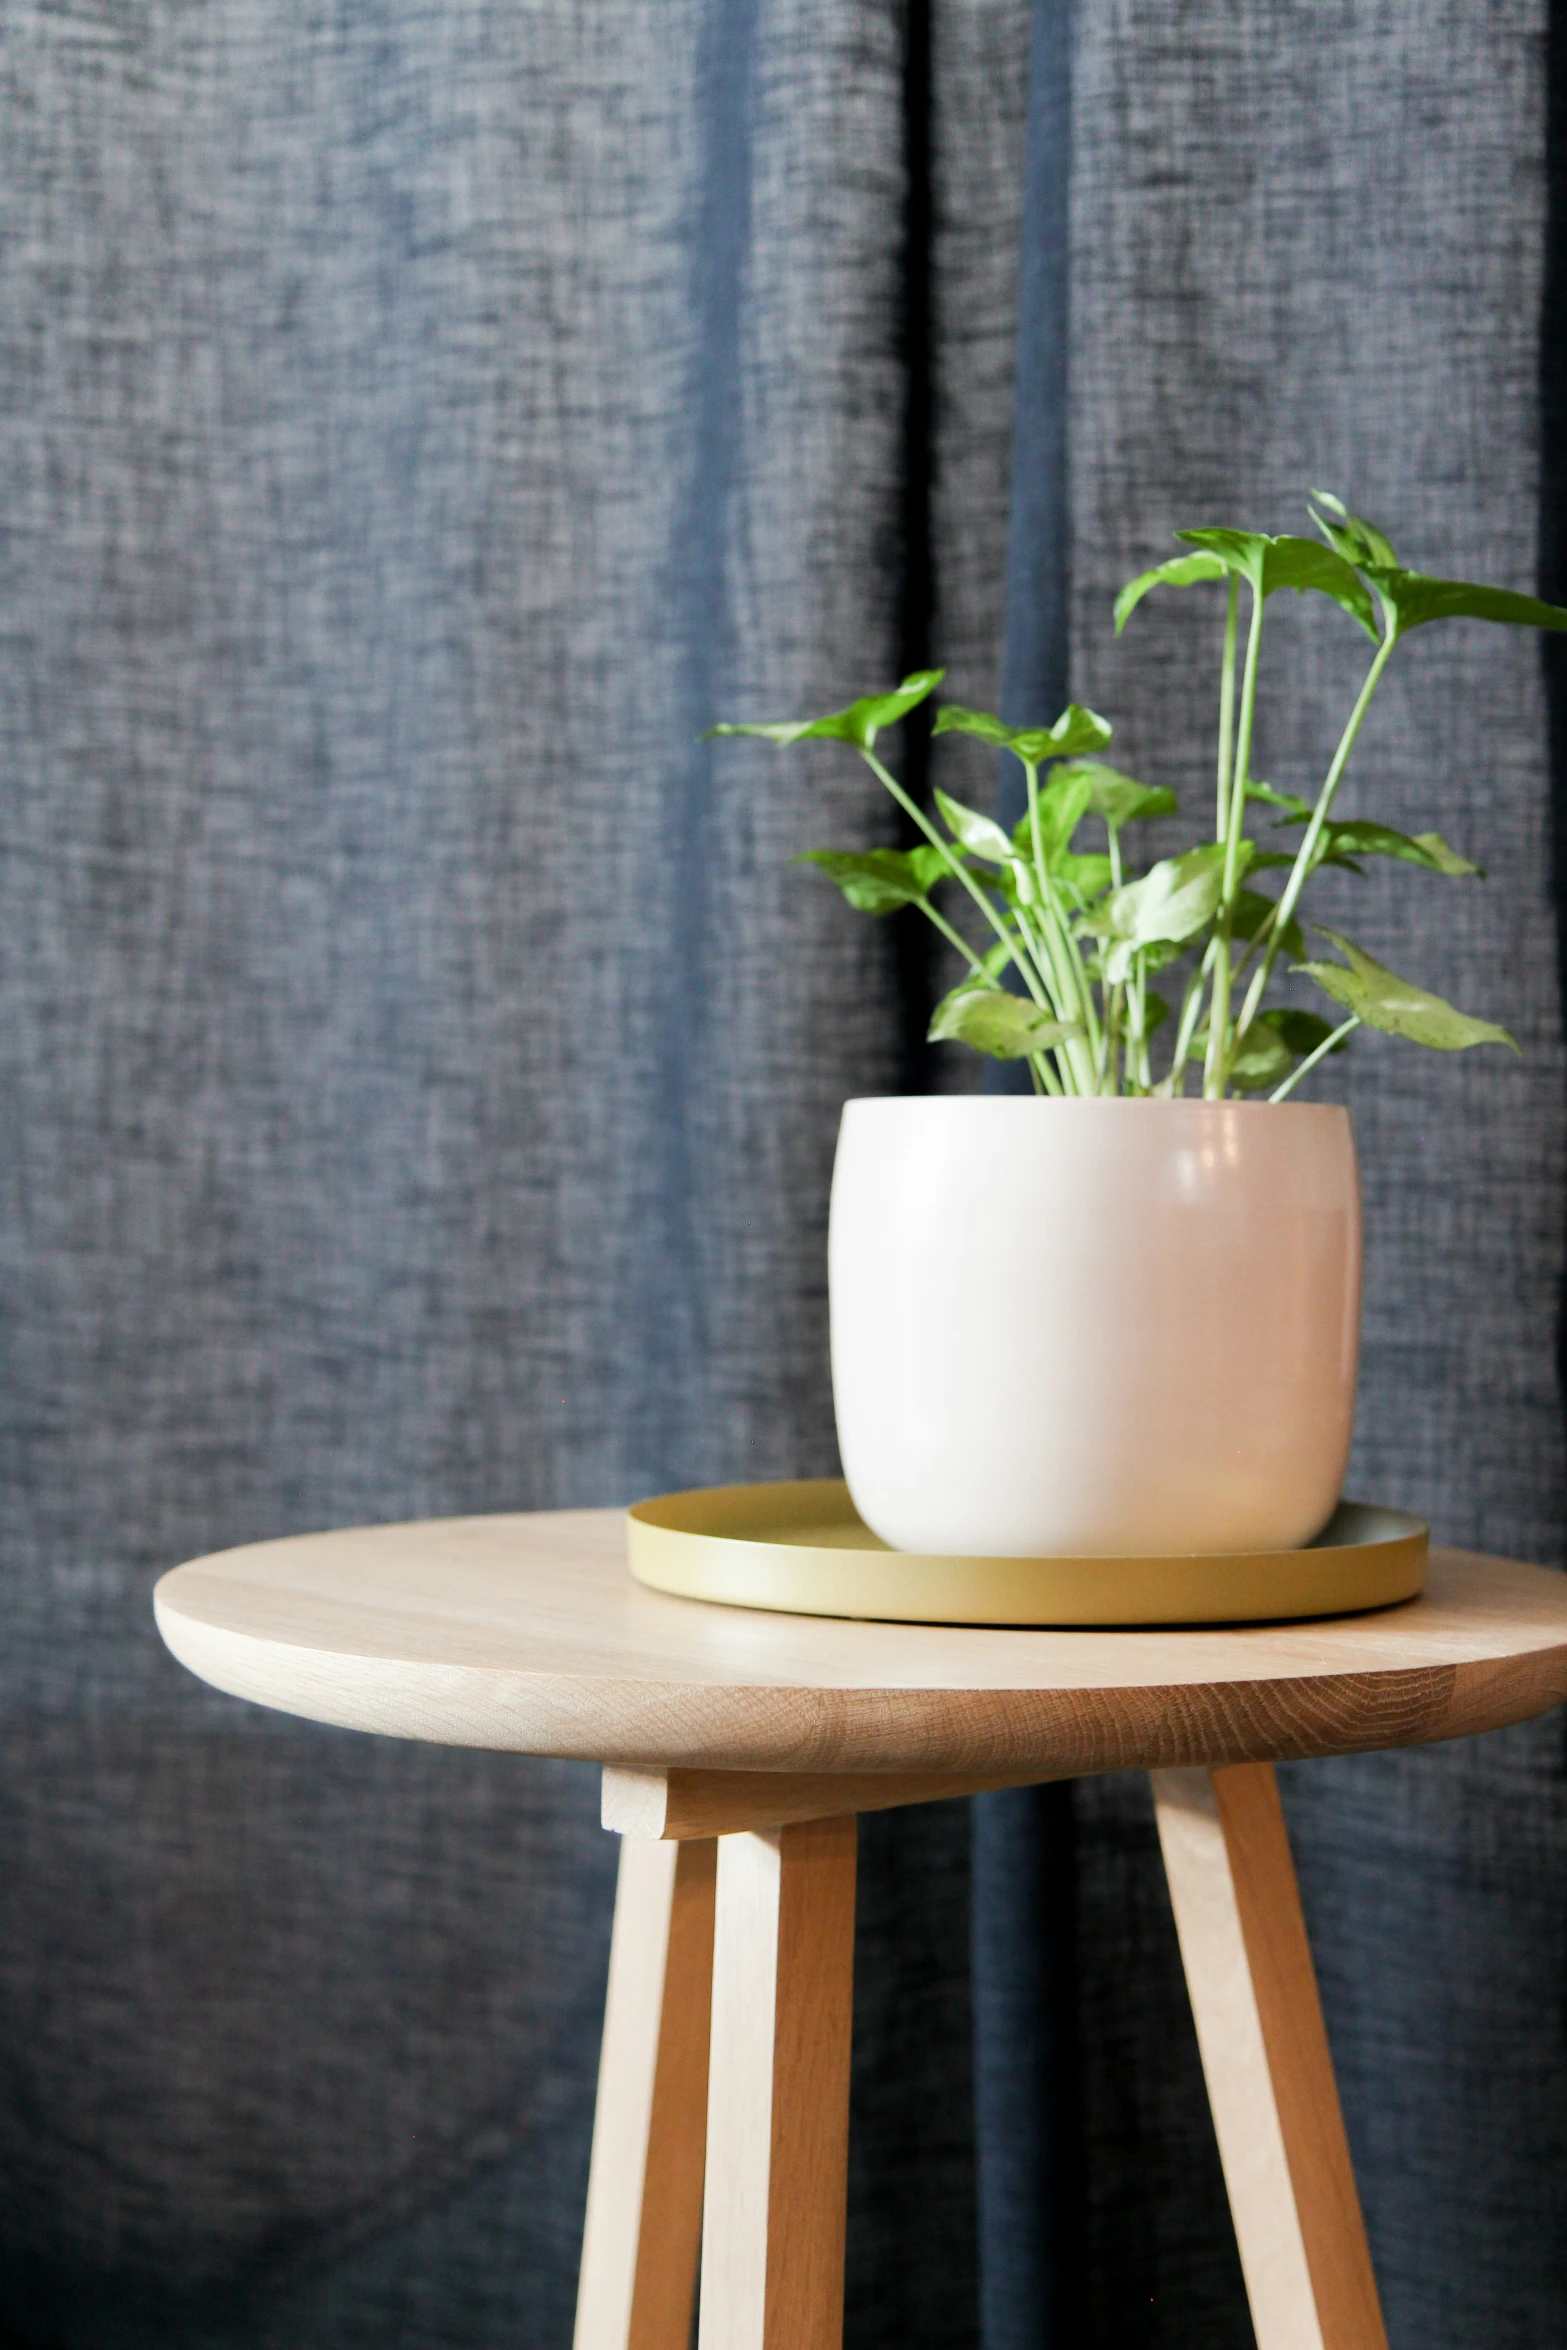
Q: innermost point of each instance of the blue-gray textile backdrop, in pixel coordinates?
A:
(421, 1061)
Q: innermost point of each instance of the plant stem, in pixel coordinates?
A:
(1063, 994)
(1227, 707)
(1138, 998)
(953, 938)
(1038, 1063)
(1036, 938)
(1217, 1066)
(960, 872)
(1031, 778)
(1115, 1014)
(1144, 1063)
(1042, 879)
(1062, 951)
(1073, 982)
(1301, 868)
(1253, 945)
(1191, 1004)
(1312, 1058)
(1044, 1076)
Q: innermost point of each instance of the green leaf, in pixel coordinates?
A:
(1311, 569)
(1271, 1046)
(1377, 996)
(1302, 564)
(1411, 600)
(1340, 844)
(1350, 535)
(1149, 959)
(879, 881)
(1290, 802)
(1118, 798)
(1360, 838)
(1172, 902)
(974, 832)
(859, 724)
(1075, 730)
(1180, 571)
(1261, 1060)
(1082, 879)
(1252, 909)
(1008, 1027)
(1163, 952)
(1155, 1012)
(1062, 806)
(1242, 552)
(1018, 882)
(1266, 857)
(1301, 1031)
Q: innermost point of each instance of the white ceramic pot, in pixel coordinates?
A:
(1094, 1327)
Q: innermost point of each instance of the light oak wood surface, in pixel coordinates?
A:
(1266, 2062)
(527, 1633)
(637, 2285)
(676, 1804)
(778, 2111)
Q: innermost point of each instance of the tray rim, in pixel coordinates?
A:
(728, 1560)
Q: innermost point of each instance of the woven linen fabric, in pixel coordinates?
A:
(1307, 250)
(421, 1061)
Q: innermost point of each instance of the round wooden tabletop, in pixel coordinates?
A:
(528, 1634)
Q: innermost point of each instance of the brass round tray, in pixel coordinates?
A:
(803, 1549)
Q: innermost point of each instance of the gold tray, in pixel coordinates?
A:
(803, 1549)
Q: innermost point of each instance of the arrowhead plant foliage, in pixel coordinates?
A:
(1060, 943)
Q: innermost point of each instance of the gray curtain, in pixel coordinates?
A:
(421, 1061)
(1311, 249)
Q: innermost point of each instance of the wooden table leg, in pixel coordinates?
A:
(778, 2109)
(1266, 2061)
(644, 2217)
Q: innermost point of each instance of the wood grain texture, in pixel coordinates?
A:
(637, 2285)
(528, 1634)
(1266, 2061)
(778, 2114)
(676, 1803)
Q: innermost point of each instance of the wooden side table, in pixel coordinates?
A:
(739, 1747)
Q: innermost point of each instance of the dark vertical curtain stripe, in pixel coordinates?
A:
(1029, 2146)
(1028, 2140)
(1035, 681)
(1035, 653)
(667, 1325)
(915, 556)
(1553, 488)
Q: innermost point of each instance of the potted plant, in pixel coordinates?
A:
(1122, 1315)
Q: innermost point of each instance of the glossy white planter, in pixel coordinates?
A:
(1094, 1327)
